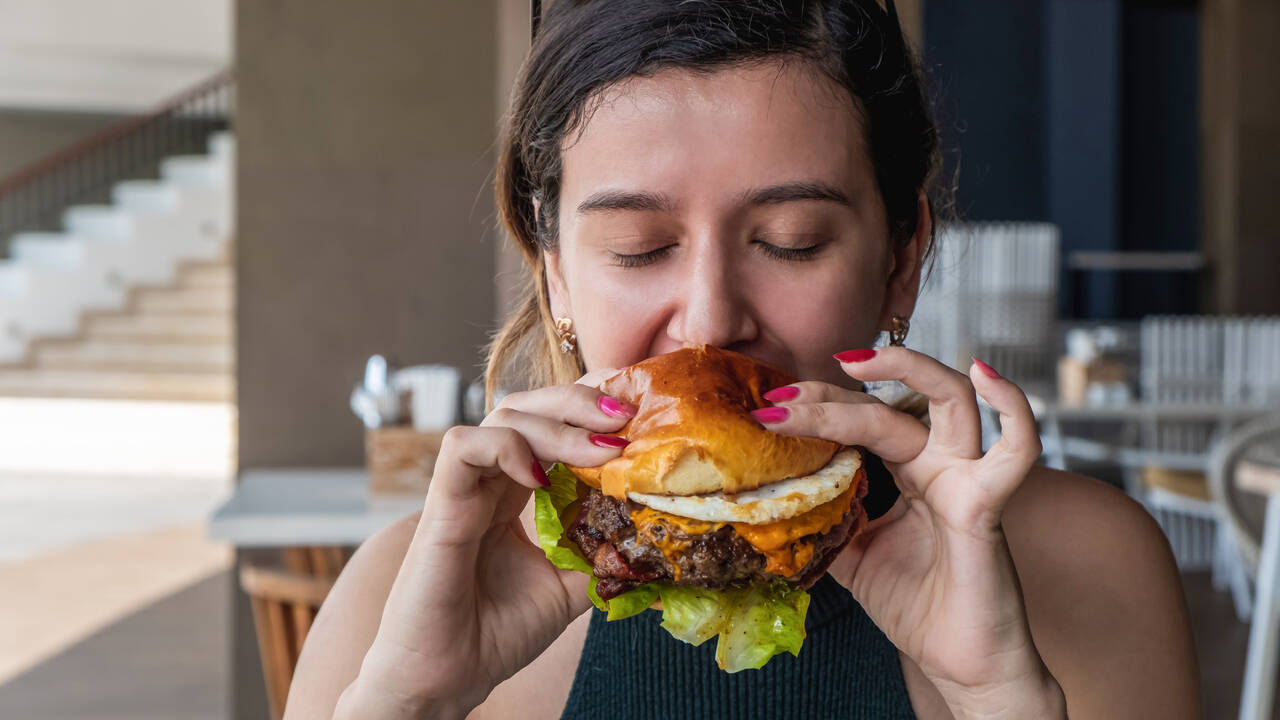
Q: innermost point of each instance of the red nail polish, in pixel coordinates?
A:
(771, 414)
(608, 441)
(782, 394)
(852, 356)
(540, 475)
(615, 407)
(986, 369)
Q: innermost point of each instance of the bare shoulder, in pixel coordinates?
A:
(1103, 597)
(348, 621)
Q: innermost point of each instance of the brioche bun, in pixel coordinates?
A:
(693, 433)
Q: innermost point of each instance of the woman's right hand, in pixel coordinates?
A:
(476, 599)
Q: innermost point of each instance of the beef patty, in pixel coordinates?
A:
(624, 559)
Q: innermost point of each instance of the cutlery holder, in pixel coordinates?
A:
(400, 460)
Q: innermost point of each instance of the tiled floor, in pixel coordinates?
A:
(166, 661)
(1221, 640)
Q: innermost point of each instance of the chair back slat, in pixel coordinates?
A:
(1196, 359)
(285, 602)
(992, 293)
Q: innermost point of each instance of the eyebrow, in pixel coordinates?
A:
(793, 191)
(641, 201)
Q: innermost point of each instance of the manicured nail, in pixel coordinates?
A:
(852, 356)
(608, 441)
(986, 369)
(615, 407)
(782, 394)
(540, 475)
(771, 414)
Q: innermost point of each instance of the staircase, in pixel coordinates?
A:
(131, 298)
(171, 342)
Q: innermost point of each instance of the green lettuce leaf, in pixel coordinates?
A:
(753, 624)
(549, 506)
(632, 602)
(763, 622)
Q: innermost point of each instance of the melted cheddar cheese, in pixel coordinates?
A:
(780, 541)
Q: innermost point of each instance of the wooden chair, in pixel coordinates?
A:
(285, 601)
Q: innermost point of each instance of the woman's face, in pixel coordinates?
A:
(738, 209)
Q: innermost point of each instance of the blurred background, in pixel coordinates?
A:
(248, 257)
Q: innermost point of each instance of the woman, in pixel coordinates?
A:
(752, 175)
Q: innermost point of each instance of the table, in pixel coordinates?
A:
(306, 506)
(1124, 451)
(1259, 471)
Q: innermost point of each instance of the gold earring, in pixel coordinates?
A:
(898, 330)
(564, 331)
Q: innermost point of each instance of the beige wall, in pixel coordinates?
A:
(1240, 152)
(365, 207)
(27, 136)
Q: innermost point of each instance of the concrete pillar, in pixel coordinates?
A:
(1240, 154)
(365, 134)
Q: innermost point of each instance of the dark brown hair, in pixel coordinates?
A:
(585, 46)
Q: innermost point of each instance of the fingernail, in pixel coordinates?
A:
(851, 356)
(540, 475)
(786, 392)
(615, 407)
(771, 414)
(986, 369)
(608, 441)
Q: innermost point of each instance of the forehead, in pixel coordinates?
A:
(715, 134)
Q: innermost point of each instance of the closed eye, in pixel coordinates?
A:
(800, 254)
(641, 259)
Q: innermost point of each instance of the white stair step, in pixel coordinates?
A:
(136, 356)
(13, 279)
(103, 222)
(198, 300)
(200, 387)
(198, 170)
(176, 328)
(47, 249)
(223, 145)
(147, 196)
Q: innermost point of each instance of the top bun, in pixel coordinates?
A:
(693, 433)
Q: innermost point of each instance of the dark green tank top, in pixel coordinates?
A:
(847, 668)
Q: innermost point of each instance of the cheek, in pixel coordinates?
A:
(817, 314)
(615, 317)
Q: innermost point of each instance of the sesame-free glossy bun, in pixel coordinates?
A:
(693, 432)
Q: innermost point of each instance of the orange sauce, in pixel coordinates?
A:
(779, 541)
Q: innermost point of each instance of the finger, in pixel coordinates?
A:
(596, 377)
(813, 391)
(953, 409)
(553, 440)
(894, 436)
(1007, 462)
(576, 404)
(474, 470)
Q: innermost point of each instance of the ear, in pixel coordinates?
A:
(557, 292)
(557, 295)
(907, 260)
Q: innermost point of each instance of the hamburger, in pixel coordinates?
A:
(723, 521)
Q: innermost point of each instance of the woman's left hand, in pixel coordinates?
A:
(935, 573)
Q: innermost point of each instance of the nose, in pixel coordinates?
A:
(712, 307)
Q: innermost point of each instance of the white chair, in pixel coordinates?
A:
(1198, 361)
(992, 293)
(1240, 513)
